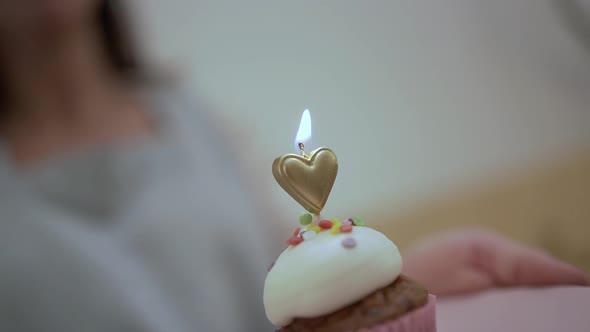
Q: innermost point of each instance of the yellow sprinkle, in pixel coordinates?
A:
(336, 226)
(314, 228)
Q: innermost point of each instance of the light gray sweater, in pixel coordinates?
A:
(159, 235)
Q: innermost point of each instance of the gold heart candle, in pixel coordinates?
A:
(308, 178)
(334, 265)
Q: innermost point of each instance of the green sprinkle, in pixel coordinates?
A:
(358, 221)
(305, 219)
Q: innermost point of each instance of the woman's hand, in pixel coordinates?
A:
(470, 260)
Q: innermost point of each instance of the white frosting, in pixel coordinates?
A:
(320, 276)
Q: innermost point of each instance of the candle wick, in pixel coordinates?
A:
(302, 148)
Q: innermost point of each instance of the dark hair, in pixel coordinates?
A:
(120, 46)
(117, 37)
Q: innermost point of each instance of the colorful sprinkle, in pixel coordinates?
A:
(295, 240)
(347, 222)
(358, 221)
(305, 219)
(346, 228)
(335, 226)
(306, 235)
(325, 224)
(314, 228)
(349, 243)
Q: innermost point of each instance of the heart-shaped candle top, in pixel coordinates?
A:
(308, 179)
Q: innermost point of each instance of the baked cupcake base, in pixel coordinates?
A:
(401, 306)
(422, 319)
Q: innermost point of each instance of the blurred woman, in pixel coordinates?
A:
(121, 208)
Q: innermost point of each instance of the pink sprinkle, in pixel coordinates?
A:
(347, 222)
(349, 243)
(295, 240)
(346, 228)
(296, 232)
(325, 224)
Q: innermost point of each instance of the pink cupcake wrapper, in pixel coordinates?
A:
(422, 319)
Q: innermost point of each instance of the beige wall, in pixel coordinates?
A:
(549, 208)
(477, 102)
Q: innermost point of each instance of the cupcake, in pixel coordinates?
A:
(342, 276)
(337, 275)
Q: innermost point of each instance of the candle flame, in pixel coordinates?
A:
(303, 136)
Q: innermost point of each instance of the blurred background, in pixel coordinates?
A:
(442, 114)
